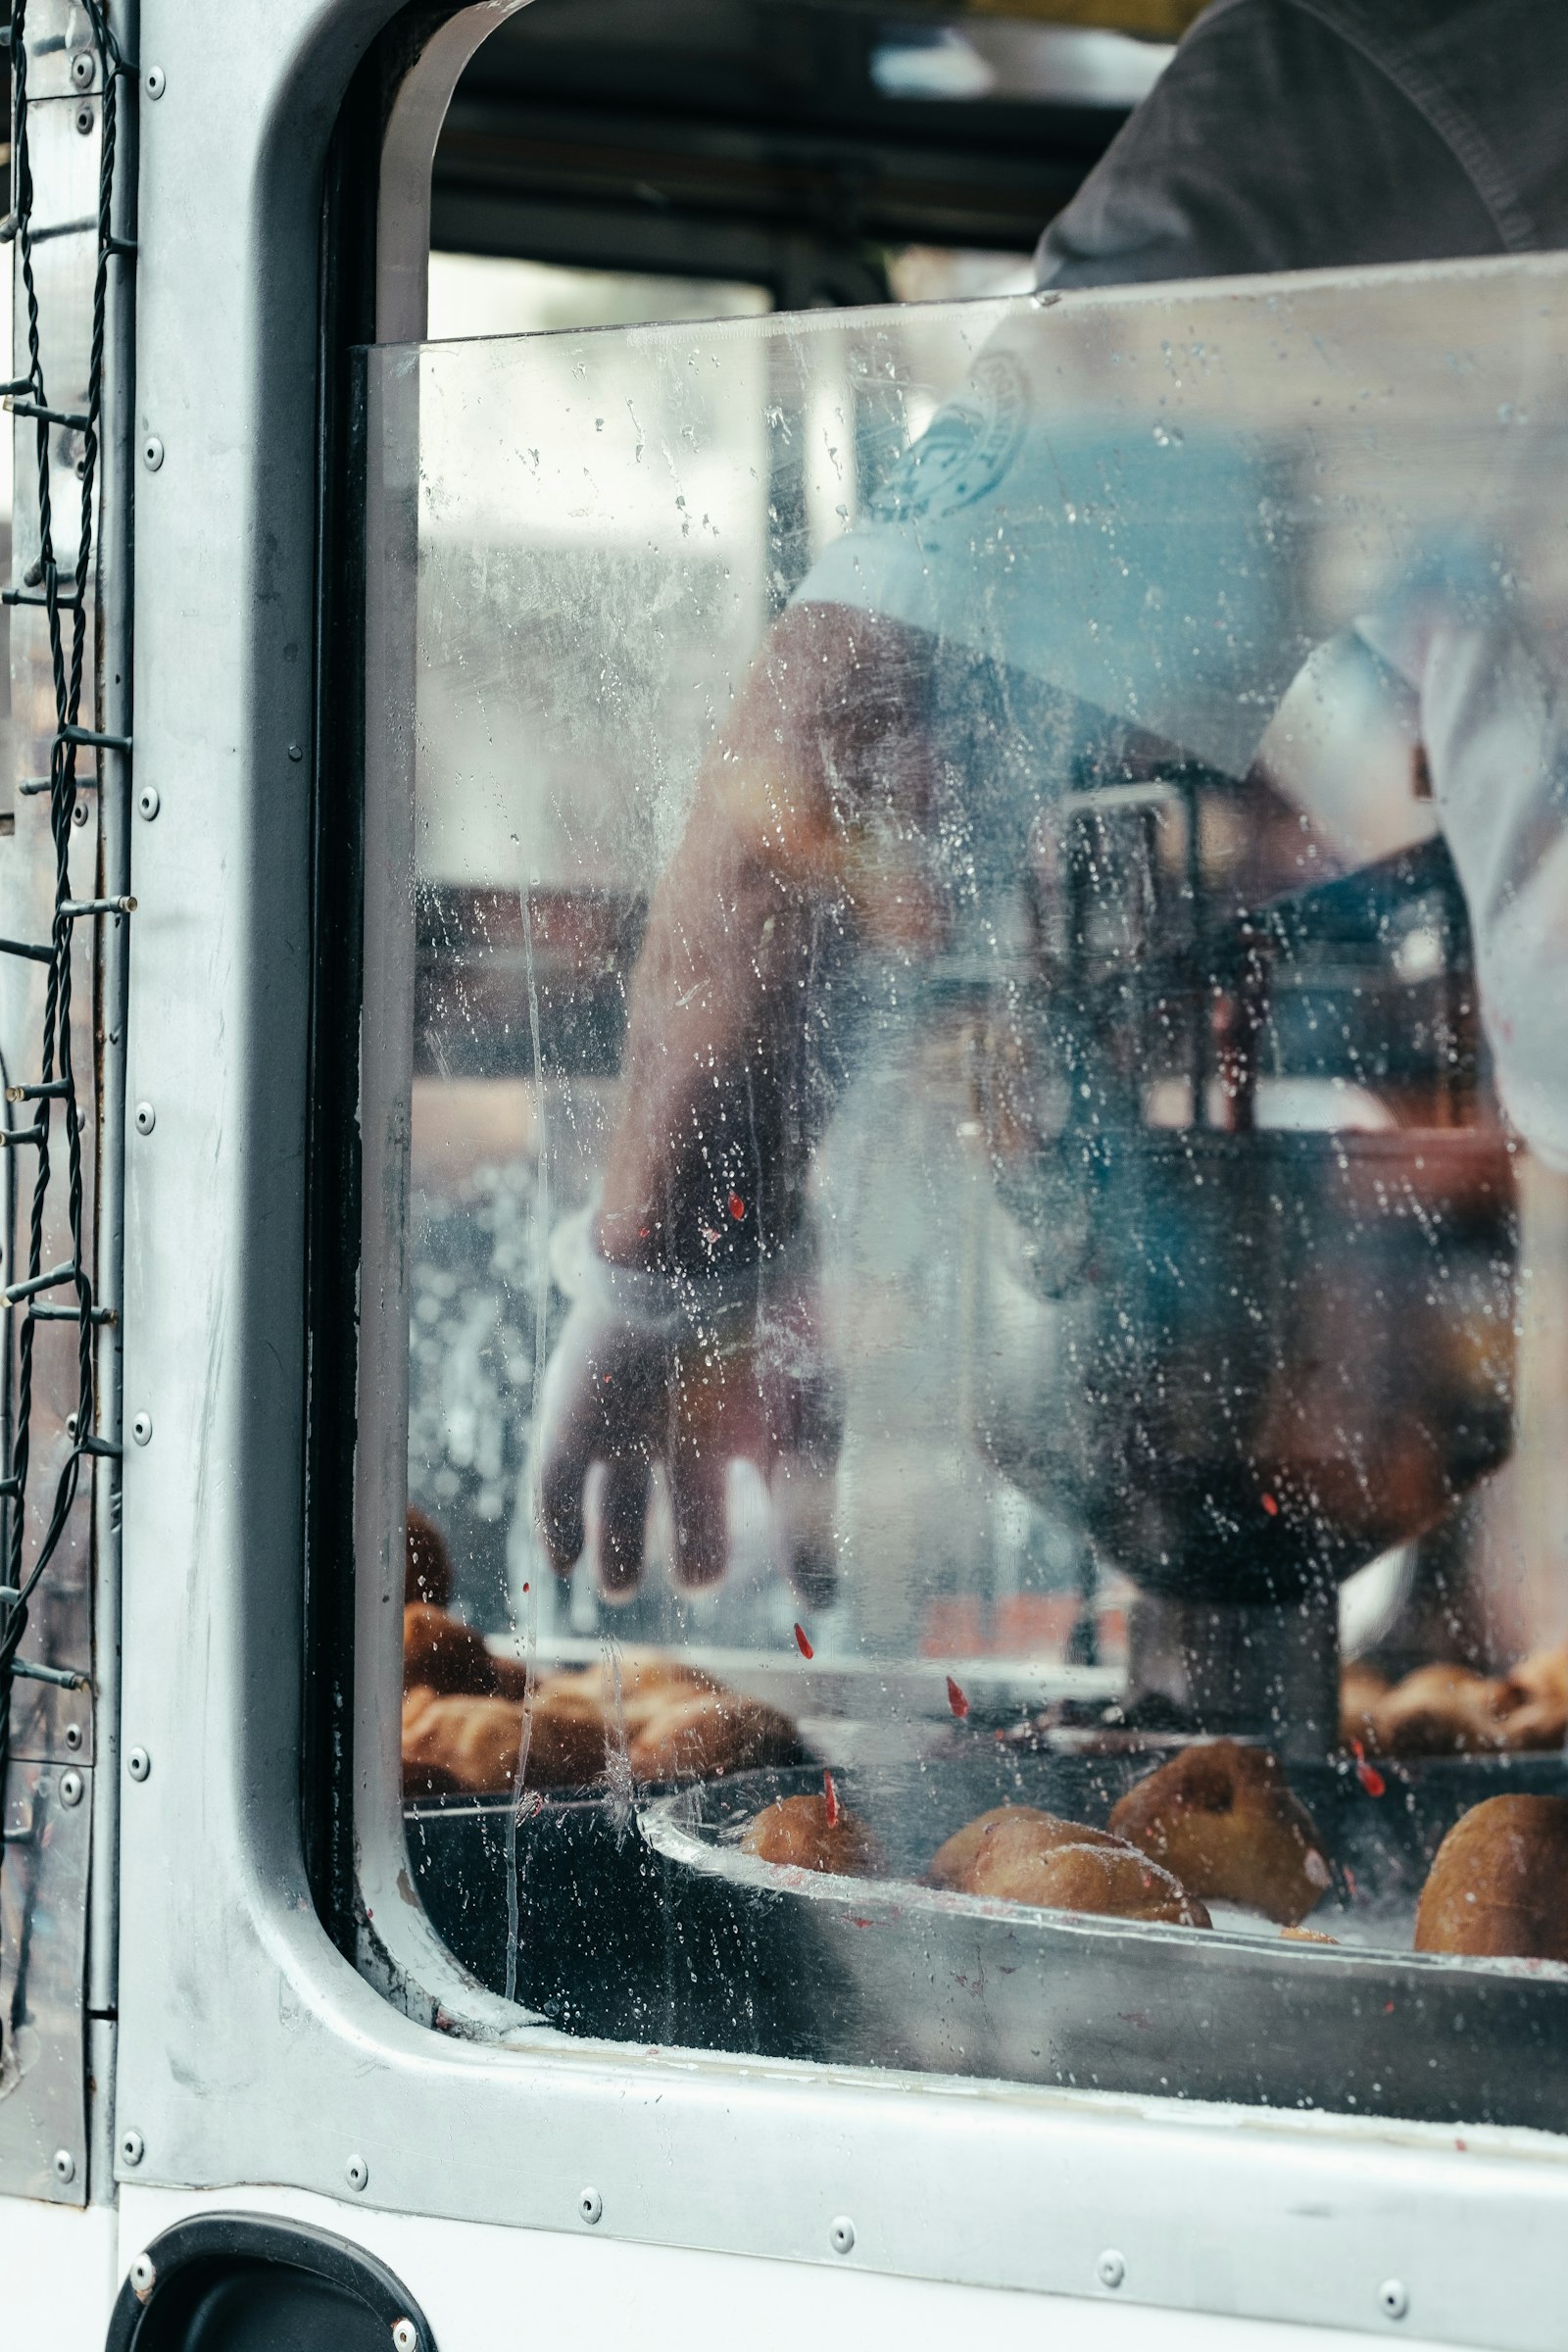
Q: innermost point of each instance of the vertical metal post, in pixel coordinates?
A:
(115, 717)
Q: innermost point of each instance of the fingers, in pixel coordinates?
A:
(561, 1473)
(696, 1479)
(802, 1492)
(621, 1516)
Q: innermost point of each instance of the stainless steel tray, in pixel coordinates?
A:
(666, 1931)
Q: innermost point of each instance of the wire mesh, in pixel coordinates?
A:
(52, 1094)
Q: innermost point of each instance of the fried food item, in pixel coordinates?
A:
(701, 1735)
(441, 1653)
(427, 1574)
(1533, 1700)
(804, 1833)
(465, 1733)
(1024, 1856)
(639, 1682)
(1305, 1935)
(1499, 1883)
(457, 1741)
(952, 1864)
(1022, 1862)
(1222, 1818)
(1439, 1710)
(1448, 1710)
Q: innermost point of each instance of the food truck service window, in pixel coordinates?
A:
(966, 1232)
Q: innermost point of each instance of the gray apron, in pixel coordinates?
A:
(1312, 134)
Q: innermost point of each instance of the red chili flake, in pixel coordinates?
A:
(801, 1643)
(1271, 1507)
(737, 1207)
(525, 1587)
(1371, 1779)
(1460, 2145)
(956, 1700)
(1388, 2008)
(830, 1800)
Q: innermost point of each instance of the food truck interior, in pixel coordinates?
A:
(840, 1171)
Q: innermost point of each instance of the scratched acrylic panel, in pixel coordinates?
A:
(987, 1097)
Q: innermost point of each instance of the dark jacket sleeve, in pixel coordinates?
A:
(1270, 142)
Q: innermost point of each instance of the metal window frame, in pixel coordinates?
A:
(251, 2050)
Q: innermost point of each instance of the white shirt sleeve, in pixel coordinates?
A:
(1494, 716)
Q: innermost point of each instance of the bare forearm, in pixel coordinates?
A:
(783, 865)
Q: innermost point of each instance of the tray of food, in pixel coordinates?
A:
(1388, 1941)
(1095, 1896)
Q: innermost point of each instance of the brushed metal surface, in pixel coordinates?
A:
(43, 1920)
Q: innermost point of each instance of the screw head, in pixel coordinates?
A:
(841, 2234)
(1394, 2298)
(143, 2277)
(141, 1429)
(82, 69)
(65, 2166)
(590, 2205)
(147, 801)
(296, 751)
(153, 82)
(132, 2149)
(152, 453)
(71, 1787)
(139, 1763)
(1110, 2269)
(357, 2173)
(86, 119)
(72, 1734)
(146, 1118)
(405, 2335)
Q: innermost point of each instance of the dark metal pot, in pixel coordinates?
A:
(1260, 1359)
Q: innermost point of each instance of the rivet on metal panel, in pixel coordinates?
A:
(152, 453)
(152, 81)
(132, 2147)
(86, 119)
(143, 2277)
(139, 1763)
(841, 2236)
(357, 2173)
(296, 751)
(1110, 2269)
(72, 1734)
(82, 69)
(1394, 2298)
(147, 801)
(141, 1429)
(146, 1118)
(80, 813)
(64, 2165)
(590, 2205)
(71, 1787)
(405, 2335)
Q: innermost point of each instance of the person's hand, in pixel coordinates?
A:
(691, 1376)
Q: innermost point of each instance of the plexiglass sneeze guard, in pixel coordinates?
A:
(966, 1078)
